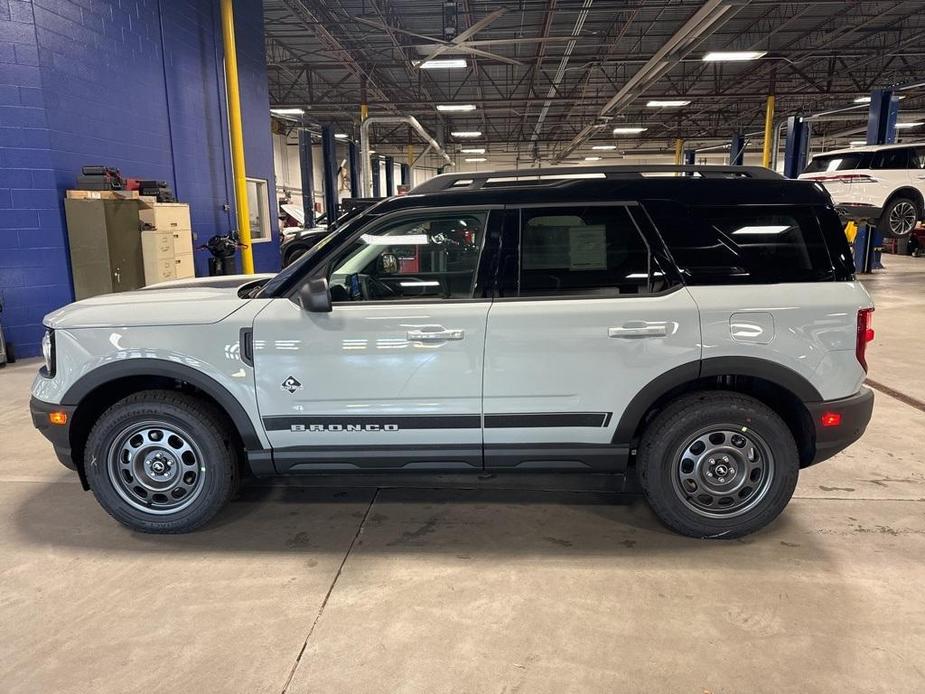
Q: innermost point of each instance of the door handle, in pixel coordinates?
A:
(658, 330)
(435, 335)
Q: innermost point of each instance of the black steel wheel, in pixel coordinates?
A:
(717, 464)
(161, 462)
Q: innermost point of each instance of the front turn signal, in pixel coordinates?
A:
(58, 418)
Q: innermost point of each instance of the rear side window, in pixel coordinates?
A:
(892, 159)
(746, 244)
(839, 162)
(584, 250)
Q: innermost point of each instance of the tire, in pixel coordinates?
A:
(160, 461)
(673, 469)
(899, 217)
(293, 255)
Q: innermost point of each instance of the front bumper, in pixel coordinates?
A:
(58, 434)
(855, 413)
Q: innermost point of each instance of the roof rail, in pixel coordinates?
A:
(474, 180)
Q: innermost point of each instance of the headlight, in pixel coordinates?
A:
(48, 352)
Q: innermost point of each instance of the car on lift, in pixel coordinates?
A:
(882, 184)
(699, 328)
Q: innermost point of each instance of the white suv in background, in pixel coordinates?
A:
(882, 183)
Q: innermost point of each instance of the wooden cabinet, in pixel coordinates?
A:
(168, 246)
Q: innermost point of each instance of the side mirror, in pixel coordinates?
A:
(388, 264)
(315, 297)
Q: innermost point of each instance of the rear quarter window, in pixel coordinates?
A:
(752, 244)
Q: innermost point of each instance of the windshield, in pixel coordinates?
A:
(284, 278)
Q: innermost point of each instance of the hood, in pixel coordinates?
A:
(184, 302)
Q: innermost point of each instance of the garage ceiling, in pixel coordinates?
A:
(551, 78)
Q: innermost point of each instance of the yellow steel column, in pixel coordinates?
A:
(678, 151)
(768, 132)
(237, 138)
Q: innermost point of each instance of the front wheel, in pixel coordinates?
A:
(717, 464)
(899, 217)
(160, 462)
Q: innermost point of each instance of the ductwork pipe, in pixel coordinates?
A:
(366, 169)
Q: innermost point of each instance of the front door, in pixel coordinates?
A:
(391, 378)
(588, 318)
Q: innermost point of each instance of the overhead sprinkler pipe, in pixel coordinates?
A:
(365, 167)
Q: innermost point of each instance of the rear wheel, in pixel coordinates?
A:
(899, 217)
(160, 462)
(717, 464)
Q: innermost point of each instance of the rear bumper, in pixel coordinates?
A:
(857, 212)
(855, 414)
(58, 434)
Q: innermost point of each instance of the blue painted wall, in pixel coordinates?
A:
(135, 84)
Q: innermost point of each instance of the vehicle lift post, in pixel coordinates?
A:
(376, 176)
(795, 146)
(354, 164)
(737, 150)
(306, 170)
(389, 176)
(329, 166)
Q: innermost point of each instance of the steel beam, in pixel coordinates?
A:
(354, 164)
(795, 146)
(389, 176)
(374, 167)
(737, 150)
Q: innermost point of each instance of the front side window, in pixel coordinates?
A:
(582, 250)
(427, 257)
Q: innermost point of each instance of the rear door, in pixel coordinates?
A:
(589, 313)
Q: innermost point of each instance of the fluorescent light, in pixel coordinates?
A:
(341, 136)
(628, 130)
(857, 143)
(715, 56)
(908, 125)
(668, 103)
(592, 158)
(475, 159)
(420, 283)
(862, 100)
(763, 229)
(443, 63)
(287, 111)
(466, 133)
(473, 150)
(604, 148)
(455, 107)
(407, 240)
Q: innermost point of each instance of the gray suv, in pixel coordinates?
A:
(697, 327)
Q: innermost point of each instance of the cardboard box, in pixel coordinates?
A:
(102, 194)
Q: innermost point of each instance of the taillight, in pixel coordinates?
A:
(865, 335)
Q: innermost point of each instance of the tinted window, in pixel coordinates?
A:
(918, 158)
(583, 250)
(839, 162)
(433, 257)
(744, 244)
(891, 159)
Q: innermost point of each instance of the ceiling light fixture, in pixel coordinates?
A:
(604, 148)
(466, 133)
(858, 143)
(717, 56)
(287, 111)
(635, 130)
(667, 103)
(476, 159)
(455, 108)
(592, 158)
(341, 136)
(909, 125)
(473, 150)
(443, 63)
(862, 100)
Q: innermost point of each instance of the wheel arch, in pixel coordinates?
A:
(908, 192)
(97, 390)
(777, 386)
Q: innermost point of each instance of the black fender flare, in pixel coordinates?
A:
(125, 368)
(764, 369)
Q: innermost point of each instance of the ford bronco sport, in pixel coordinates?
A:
(699, 327)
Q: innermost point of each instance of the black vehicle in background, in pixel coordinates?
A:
(297, 242)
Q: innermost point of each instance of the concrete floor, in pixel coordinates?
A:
(332, 590)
